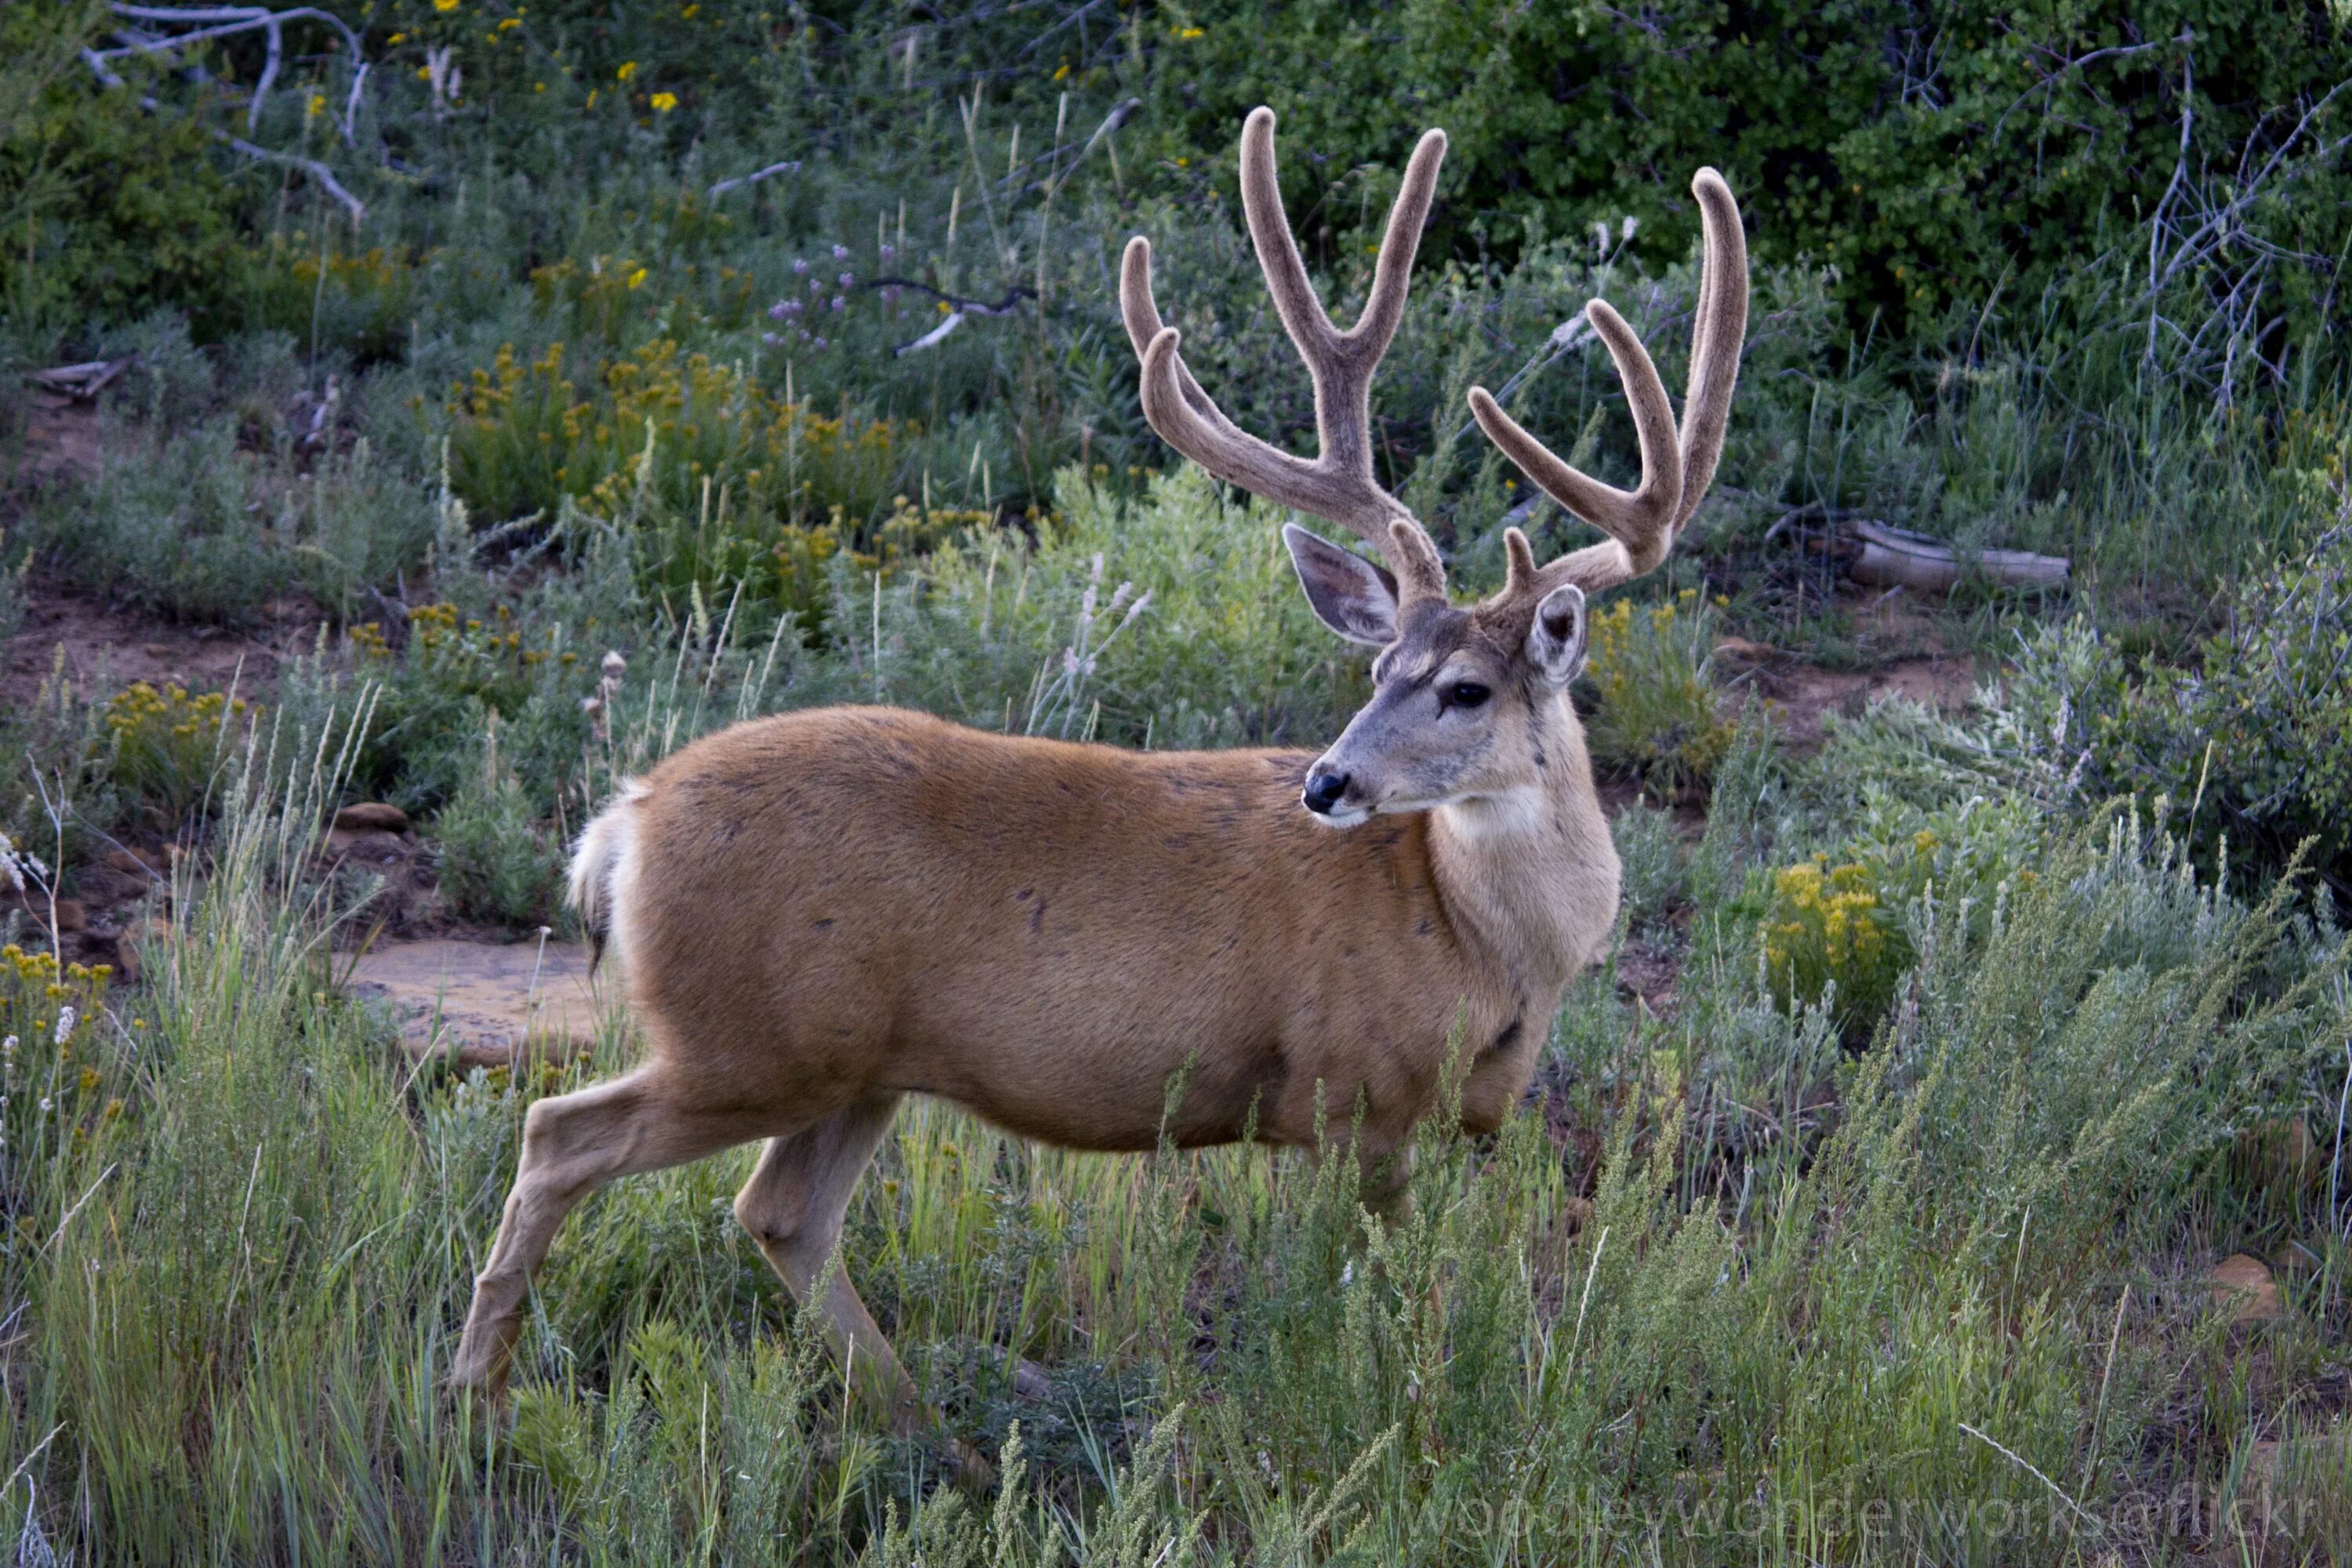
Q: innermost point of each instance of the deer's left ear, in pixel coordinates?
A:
(1556, 640)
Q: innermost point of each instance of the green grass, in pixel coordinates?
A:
(1727, 1288)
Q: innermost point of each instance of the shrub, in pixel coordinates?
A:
(361, 302)
(60, 1089)
(1933, 156)
(457, 676)
(497, 865)
(657, 425)
(111, 207)
(1654, 876)
(2253, 742)
(167, 747)
(14, 569)
(1859, 917)
(1658, 716)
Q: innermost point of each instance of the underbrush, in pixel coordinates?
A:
(1769, 1297)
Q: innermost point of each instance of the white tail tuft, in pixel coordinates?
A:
(602, 845)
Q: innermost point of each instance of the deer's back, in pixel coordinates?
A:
(845, 899)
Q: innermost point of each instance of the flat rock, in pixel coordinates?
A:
(2243, 1283)
(70, 914)
(487, 1005)
(372, 814)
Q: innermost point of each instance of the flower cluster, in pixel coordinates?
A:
(168, 743)
(50, 1099)
(1658, 716)
(1829, 927)
(802, 310)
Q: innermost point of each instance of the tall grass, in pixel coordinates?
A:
(1951, 1308)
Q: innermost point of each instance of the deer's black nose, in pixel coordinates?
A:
(1324, 788)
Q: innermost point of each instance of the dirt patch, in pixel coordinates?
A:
(105, 648)
(60, 440)
(483, 1004)
(1799, 695)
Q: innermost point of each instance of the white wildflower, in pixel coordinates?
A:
(66, 1019)
(1631, 225)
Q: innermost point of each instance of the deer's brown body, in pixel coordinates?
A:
(854, 902)
(819, 914)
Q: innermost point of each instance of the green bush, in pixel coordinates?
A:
(498, 867)
(192, 525)
(110, 209)
(169, 749)
(1859, 915)
(1658, 716)
(2252, 743)
(1935, 156)
(1654, 874)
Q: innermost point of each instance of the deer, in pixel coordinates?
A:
(819, 913)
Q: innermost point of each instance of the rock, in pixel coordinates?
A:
(372, 814)
(68, 914)
(371, 845)
(1030, 1382)
(132, 862)
(484, 1005)
(1745, 652)
(2243, 1283)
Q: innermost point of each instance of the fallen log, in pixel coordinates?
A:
(1896, 557)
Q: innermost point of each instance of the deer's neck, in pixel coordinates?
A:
(1530, 876)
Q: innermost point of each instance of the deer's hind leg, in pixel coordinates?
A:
(794, 1206)
(572, 1143)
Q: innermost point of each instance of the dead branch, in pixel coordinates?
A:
(210, 22)
(1895, 557)
(958, 308)
(788, 167)
(82, 382)
(311, 167)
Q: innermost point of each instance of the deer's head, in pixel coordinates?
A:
(1468, 701)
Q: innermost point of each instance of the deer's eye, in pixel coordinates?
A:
(1465, 694)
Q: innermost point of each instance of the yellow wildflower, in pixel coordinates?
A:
(628, 68)
(664, 102)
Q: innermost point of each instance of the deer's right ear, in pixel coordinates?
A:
(1349, 594)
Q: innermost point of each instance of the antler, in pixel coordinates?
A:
(1676, 469)
(1337, 485)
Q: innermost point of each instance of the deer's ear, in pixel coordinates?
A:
(1349, 594)
(1556, 639)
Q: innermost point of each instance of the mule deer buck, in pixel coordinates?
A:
(819, 913)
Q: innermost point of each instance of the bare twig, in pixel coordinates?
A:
(788, 167)
(311, 167)
(958, 308)
(210, 22)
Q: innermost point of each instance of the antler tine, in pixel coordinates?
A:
(1716, 338)
(1337, 484)
(1639, 523)
(1677, 466)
